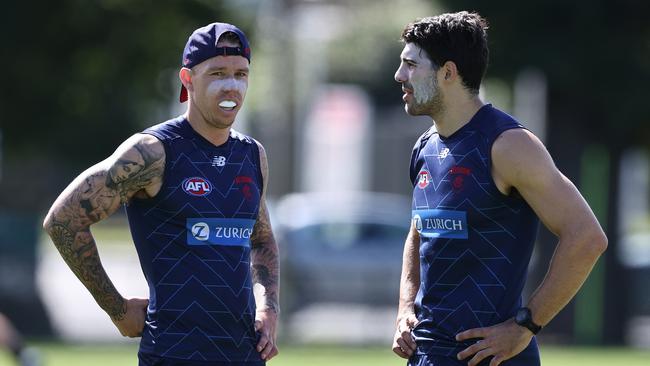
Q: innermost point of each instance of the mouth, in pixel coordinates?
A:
(228, 105)
(407, 94)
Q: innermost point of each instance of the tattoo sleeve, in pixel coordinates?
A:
(264, 250)
(97, 193)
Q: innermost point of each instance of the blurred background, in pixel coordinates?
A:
(81, 76)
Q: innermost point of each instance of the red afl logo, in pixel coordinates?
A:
(197, 186)
(424, 179)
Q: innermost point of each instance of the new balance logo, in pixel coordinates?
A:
(218, 160)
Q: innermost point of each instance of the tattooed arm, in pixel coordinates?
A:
(134, 170)
(266, 270)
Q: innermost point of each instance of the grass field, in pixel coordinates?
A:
(56, 354)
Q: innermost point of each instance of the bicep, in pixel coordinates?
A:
(525, 164)
(100, 190)
(411, 254)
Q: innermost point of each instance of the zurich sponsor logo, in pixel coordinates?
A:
(200, 231)
(219, 231)
(197, 186)
(433, 223)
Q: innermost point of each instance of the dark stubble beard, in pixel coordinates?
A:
(431, 108)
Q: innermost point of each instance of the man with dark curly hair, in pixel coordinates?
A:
(481, 183)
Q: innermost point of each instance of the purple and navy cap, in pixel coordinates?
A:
(202, 45)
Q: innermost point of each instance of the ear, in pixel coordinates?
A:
(449, 71)
(185, 75)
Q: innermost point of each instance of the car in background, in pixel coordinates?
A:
(341, 248)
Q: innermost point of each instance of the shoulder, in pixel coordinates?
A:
(260, 147)
(517, 141)
(495, 122)
(170, 129)
(264, 163)
(519, 157)
(238, 136)
(137, 164)
(145, 145)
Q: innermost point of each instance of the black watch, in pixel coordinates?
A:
(524, 318)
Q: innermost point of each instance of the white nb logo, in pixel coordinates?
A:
(443, 153)
(218, 160)
(201, 231)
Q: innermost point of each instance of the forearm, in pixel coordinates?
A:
(79, 251)
(410, 279)
(265, 263)
(569, 268)
(265, 268)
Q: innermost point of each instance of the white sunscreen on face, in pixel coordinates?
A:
(424, 89)
(221, 86)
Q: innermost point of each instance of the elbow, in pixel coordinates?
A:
(602, 242)
(597, 242)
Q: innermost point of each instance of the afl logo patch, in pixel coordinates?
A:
(424, 179)
(197, 186)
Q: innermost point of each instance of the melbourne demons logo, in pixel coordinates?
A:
(459, 174)
(246, 182)
(197, 186)
(424, 178)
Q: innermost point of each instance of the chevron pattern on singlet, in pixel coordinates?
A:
(475, 242)
(202, 306)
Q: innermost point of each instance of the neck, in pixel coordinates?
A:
(456, 114)
(216, 135)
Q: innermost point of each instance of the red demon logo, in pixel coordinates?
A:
(460, 173)
(246, 188)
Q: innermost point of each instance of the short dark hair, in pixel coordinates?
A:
(458, 37)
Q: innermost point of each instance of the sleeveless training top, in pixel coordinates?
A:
(193, 241)
(475, 242)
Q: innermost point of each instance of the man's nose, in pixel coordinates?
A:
(399, 75)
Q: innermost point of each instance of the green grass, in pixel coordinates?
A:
(57, 354)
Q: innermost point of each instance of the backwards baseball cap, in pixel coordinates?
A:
(202, 45)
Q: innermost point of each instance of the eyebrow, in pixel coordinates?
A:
(409, 60)
(219, 68)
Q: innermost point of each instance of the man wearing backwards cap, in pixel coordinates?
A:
(194, 191)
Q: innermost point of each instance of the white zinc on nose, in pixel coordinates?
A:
(226, 85)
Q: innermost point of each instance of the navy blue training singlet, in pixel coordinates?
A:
(193, 241)
(475, 242)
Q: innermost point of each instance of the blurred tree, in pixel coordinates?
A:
(80, 77)
(367, 51)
